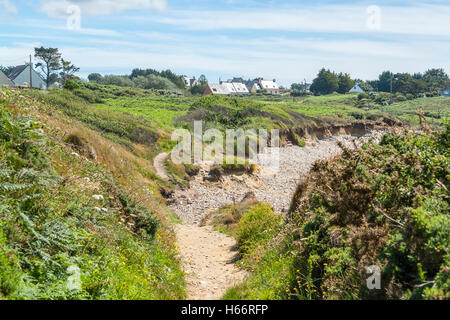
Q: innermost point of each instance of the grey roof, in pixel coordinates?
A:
(16, 71)
(4, 79)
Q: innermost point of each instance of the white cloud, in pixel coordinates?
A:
(419, 19)
(58, 8)
(7, 7)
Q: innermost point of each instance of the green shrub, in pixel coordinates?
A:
(71, 85)
(256, 227)
(363, 96)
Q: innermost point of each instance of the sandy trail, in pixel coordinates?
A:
(208, 258)
(207, 255)
(160, 169)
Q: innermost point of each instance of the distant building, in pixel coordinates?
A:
(304, 87)
(240, 88)
(216, 89)
(190, 82)
(5, 81)
(255, 88)
(271, 87)
(356, 89)
(20, 76)
(445, 92)
(227, 89)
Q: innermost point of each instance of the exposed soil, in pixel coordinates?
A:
(158, 163)
(208, 258)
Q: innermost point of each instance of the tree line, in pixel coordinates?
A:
(431, 82)
(142, 78)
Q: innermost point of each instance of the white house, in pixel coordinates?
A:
(227, 89)
(5, 81)
(445, 92)
(216, 89)
(240, 88)
(255, 88)
(190, 82)
(20, 76)
(356, 89)
(257, 84)
(270, 87)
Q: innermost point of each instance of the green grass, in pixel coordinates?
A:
(435, 109)
(160, 111)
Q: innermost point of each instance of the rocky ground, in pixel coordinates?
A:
(274, 188)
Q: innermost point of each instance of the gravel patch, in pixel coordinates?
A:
(276, 189)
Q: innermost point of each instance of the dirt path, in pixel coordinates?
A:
(158, 163)
(207, 256)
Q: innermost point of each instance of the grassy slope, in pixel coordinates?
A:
(384, 205)
(50, 221)
(256, 111)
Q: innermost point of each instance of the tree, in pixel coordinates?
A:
(325, 83)
(202, 80)
(384, 81)
(345, 83)
(153, 81)
(68, 71)
(121, 81)
(436, 79)
(49, 62)
(95, 77)
(372, 85)
(175, 79)
(405, 83)
(198, 89)
(6, 70)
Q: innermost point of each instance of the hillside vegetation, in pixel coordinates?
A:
(385, 204)
(78, 208)
(153, 111)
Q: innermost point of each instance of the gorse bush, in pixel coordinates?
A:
(388, 207)
(384, 205)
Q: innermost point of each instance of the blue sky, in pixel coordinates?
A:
(284, 40)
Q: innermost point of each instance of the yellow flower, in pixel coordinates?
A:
(325, 264)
